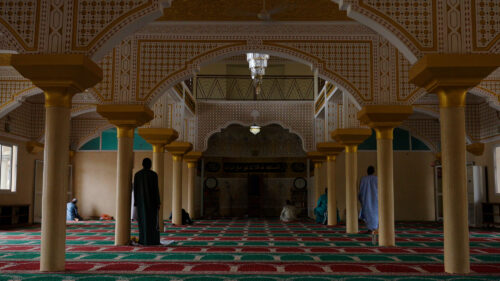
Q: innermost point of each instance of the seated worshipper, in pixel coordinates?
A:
(147, 202)
(368, 197)
(321, 210)
(289, 212)
(72, 211)
(186, 219)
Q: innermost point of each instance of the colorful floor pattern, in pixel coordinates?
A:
(248, 250)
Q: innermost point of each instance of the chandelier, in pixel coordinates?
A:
(257, 64)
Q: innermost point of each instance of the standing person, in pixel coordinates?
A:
(321, 210)
(368, 196)
(72, 211)
(147, 202)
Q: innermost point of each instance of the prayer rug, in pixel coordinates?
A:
(248, 250)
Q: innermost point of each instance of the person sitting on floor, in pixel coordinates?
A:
(321, 210)
(72, 211)
(289, 212)
(186, 219)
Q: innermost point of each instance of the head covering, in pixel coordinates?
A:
(370, 170)
(146, 163)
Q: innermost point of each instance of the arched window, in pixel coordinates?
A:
(402, 141)
(107, 141)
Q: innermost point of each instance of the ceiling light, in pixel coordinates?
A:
(255, 129)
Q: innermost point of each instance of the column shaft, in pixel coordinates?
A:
(385, 186)
(159, 168)
(455, 220)
(177, 190)
(332, 200)
(190, 187)
(124, 166)
(318, 189)
(351, 164)
(55, 181)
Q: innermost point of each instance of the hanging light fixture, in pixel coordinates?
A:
(255, 129)
(257, 63)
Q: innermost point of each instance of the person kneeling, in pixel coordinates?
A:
(289, 212)
(72, 211)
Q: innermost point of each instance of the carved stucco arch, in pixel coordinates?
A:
(492, 98)
(247, 124)
(105, 39)
(389, 31)
(89, 137)
(242, 48)
(426, 140)
(436, 115)
(122, 29)
(17, 100)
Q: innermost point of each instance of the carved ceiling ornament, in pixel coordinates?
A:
(89, 27)
(431, 26)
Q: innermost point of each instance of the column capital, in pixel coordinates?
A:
(158, 137)
(316, 157)
(384, 117)
(192, 157)
(351, 137)
(126, 115)
(178, 149)
(60, 76)
(330, 149)
(476, 148)
(34, 147)
(438, 72)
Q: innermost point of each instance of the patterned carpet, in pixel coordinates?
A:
(248, 250)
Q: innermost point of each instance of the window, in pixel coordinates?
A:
(403, 140)
(107, 141)
(8, 167)
(496, 163)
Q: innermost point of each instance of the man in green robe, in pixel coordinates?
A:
(147, 202)
(321, 210)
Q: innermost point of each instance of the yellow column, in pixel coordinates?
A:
(450, 76)
(384, 118)
(177, 149)
(158, 138)
(385, 186)
(331, 150)
(60, 77)
(126, 118)
(351, 138)
(124, 166)
(317, 158)
(192, 159)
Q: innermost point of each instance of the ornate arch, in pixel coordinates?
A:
(16, 99)
(80, 141)
(73, 26)
(492, 98)
(247, 124)
(241, 47)
(384, 25)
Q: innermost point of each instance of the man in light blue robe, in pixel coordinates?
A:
(368, 196)
(321, 209)
(72, 211)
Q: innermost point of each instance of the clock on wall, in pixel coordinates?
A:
(300, 183)
(211, 183)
